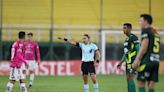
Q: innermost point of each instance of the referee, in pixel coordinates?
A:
(90, 60)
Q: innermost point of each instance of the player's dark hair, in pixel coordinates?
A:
(128, 25)
(21, 34)
(30, 34)
(147, 18)
(87, 36)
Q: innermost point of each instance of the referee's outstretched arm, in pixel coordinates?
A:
(69, 41)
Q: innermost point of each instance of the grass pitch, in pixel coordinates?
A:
(107, 83)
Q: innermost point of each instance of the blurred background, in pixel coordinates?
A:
(101, 19)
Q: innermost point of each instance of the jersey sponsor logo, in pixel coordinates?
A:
(20, 45)
(155, 57)
(20, 48)
(126, 43)
(28, 46)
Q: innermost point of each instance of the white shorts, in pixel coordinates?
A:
(31, 63)
(16, 74)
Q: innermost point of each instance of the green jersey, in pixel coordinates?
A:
(152, 53)
(131, 49)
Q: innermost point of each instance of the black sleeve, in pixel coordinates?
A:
(144, 34)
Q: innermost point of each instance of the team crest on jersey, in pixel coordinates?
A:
(90, 51)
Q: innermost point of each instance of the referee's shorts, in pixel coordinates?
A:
(88, 68)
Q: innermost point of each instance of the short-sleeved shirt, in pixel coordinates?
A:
(152, 53)
(19, 49)
(129, 48)
(88, 51)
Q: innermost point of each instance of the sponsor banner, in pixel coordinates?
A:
(62, 68)
(4, 68)
(69, 68)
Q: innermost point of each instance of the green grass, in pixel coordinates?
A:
(110, 83)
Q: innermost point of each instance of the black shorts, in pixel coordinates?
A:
(150, 73)
(88, 67)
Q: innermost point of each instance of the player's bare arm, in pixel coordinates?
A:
(38, 54)
(97, 58)
(144, 47)
(12, 53)
(122, 61)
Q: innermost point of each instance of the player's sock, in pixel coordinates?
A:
(151, 90)
(131, 86)
(31, 79)
(86, 88)
(9, 87)
(142, 89)
(23, 87)
(96, 88)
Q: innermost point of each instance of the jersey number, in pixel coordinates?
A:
(156, 45)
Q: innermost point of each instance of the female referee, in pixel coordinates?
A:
(90, 60)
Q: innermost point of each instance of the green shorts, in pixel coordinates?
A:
(148, 71)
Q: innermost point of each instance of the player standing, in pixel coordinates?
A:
(90, 58)
(31, 49)
(148, 57)
(131, 49)
(16, 62)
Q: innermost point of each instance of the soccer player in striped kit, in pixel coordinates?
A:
(90, 58)
(31, 50)
(16, 62)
